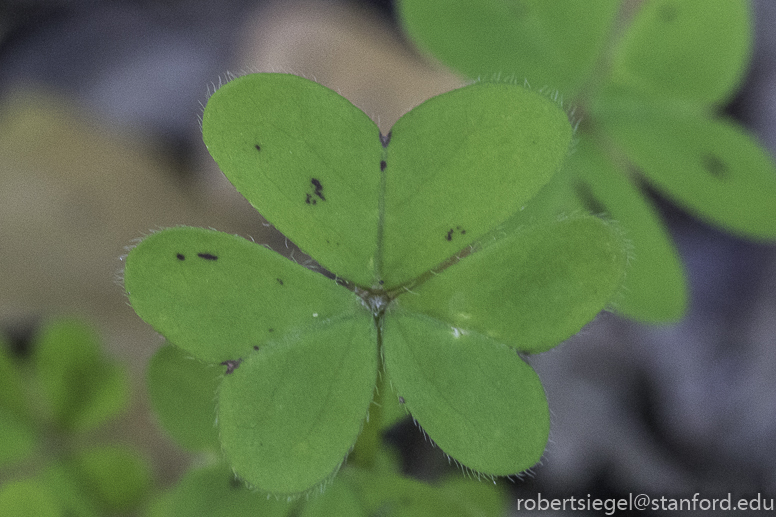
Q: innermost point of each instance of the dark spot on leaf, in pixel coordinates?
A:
(381, 282)
(309, 200)
(255, 347)
(272, 330)
(714, 165)
(401, 400)
(318, 188)
(385, 139)
(231, 365)
(258, 147)
(181, 256)
(279, 281)
(235, 483)
(207, 256)
(452, 231)
(382, 165)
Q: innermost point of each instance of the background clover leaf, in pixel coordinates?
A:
(553, 44)
(374, 208)
(646, 79)
(694, 50)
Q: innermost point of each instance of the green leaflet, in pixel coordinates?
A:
(696, 50)
(183, 395)
(394, 495)
(532, 289)
(29, 498)
(290, 412)
(369, 208)
(17, 439)
(655, 288)
(711, 167)
(338, 500)
(214, 491)
(474, 397)
(115, 477)
(307, 159)
(489, 145)
(217, 296)
(82, 389)
(12, 397)
(550, 44)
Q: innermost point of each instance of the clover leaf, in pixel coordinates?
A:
(647, 79)
(433, 287)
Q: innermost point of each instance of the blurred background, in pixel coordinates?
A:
(100, 144)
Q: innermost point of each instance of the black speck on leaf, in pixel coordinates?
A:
(255, 347)
(382, 165)
(385, 139)
(231, 365)
(279, 281)
(449, 236)
(207, 256)
(258, 147)
(318, 188)
(181, 256)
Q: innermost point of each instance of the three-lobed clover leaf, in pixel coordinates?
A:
(432, 288)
